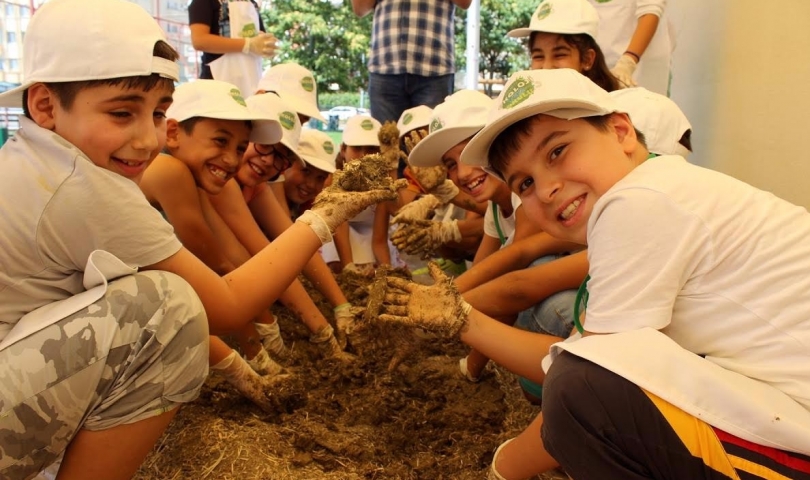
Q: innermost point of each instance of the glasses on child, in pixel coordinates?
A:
(281, 159)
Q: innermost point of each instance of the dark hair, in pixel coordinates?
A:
(508, 142)
(188, 124)
(66, 92)
(599, 73)
(686, 139)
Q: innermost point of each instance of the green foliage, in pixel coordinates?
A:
(499, 55)
(328, 100)
(326, 38)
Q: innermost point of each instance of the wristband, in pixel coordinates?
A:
(635, 55)
(317, 224)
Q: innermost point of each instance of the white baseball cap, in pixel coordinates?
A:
(657, 117)
(458, 118)
(223, 101)
(561, 16)
(295, 85)
(287, 118)
(317, 149)
(562, 93)
(360, 131)
(413, 118)
(77, 40)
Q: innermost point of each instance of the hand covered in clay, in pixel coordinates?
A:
(423, 237)
(420, 209)
(360, 184)
(414, 137)
(429, 178)
(438, 308)
(389, 145)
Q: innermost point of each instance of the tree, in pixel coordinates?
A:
(499, 55)
(323, 36)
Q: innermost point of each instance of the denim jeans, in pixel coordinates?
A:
(390, 95)
(552, 316)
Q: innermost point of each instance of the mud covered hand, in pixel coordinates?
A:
(262, 45)
(413, 138)
(345, 323)
(624, 69)
(334, 205)
(438, 308)
(429, 178)
(419, 209)
(389, 145)
(423, 237)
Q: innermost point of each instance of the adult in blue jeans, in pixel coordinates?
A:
(412, 58)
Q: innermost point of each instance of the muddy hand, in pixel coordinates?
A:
(414, 138)
(419, 209)
(438, 308)
(429, 177)
(424, 237)
(389, 145)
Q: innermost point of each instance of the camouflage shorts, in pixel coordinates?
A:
(139, 351)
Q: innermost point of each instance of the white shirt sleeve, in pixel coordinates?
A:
(489, 223)
(99, 210)
(642, 248)
(646, 7)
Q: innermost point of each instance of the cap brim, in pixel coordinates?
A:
(520, 32)
(266, 132)
(476, 152)
(318, 163)
(13, 98)
(527, 31)
(301, 106)
(430, 150)
(292, 148)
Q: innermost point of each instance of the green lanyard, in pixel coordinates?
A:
(497, 223)
(582, 292)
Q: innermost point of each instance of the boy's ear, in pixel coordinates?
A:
(172, 133)
(41, 103)
(625, 132)
(588, 59)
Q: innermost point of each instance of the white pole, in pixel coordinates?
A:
(473, 44)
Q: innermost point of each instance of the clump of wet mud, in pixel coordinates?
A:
(366, 173)
(401, 410)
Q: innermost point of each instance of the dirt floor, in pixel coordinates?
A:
(421, 420)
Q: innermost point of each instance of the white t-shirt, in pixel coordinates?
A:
(507, 224)
(617, 22)
(57, 207)
(720, 267)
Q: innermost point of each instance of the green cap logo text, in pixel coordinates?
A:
(367, 125)
(408, 118)
(543, 11)
(237, 96)
(287, 120)
(521, 89)
(329, 147)
(308, 84)
(435, 124)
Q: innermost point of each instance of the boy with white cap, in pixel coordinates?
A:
(547, 309)
(304, 181)
(664, 125)
(696, 307)
(209, 127)
(363, 241)
(296, 86)
(109, 365)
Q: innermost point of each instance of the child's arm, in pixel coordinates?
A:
(362, 8)
(230, 205)
(489, 245)
(204, 41)
(343, 244)
(516, 291)
(524, 227)
(233, 300)
(278, 191)
(649, 15)
(512, 257)
(169, 183)
(379, 235)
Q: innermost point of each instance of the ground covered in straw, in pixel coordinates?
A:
(400, 411)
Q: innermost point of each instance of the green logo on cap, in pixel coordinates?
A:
(249, 30)
(521, 89)
(329, 147)
(308, 84)
(543, 11)
(237, 96)
(287, 120)
(367, 125)
(408, 118)
(435, 124)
